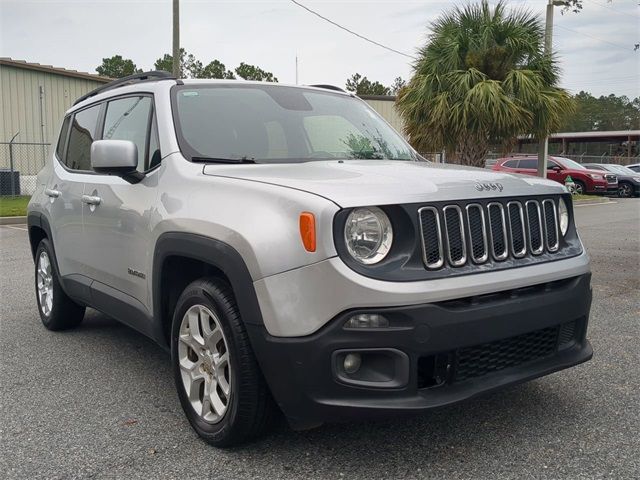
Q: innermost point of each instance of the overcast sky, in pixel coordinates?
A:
(595, 46)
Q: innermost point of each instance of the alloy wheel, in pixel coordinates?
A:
(44, 282)
(624, 190)
(203, 355)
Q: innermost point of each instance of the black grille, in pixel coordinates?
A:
(490, 357)
(515, 227)
(477, 233)
(457, 234)
(431, 237)
(455, 238)
(551, 224)
(535, 229)
(497, 231)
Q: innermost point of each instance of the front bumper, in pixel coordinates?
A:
(446, 352)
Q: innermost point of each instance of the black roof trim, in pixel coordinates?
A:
(153, 75)
(329, 87)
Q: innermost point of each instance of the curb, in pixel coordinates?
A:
(13, 220)
(596, 201)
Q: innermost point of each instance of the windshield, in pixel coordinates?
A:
(570, 164)
(270, 124)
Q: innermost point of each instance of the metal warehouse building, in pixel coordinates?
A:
(34, 98)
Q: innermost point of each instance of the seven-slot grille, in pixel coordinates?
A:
(456, 235)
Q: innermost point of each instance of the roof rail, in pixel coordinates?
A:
(329, 87)
(129, 80)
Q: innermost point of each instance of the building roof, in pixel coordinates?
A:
(387, 98)
(54, 70)
(593, 136)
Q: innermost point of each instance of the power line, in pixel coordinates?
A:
(626, 14)
(352, 32)
(592, 36)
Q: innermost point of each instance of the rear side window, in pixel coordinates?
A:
(62, 140)
(528, 163)
(510, 164)
(128, 119)
(83, 132)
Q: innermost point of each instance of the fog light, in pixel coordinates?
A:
(367, 320)
(352, 362)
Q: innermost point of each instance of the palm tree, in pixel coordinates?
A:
(482, 79)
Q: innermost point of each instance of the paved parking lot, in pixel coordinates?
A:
(99, 401)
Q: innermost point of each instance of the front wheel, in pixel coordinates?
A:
(625, 190)
(581, 189)
(220, 386)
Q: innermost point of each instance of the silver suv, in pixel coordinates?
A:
(294, 253)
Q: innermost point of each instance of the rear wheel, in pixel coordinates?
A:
(57, 310)
(220, 386)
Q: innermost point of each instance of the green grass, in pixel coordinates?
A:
(579, 198)
(13, 206)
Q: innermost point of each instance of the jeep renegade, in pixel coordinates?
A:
(293, 252)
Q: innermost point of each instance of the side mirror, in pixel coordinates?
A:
(116, 157)
(556, 168)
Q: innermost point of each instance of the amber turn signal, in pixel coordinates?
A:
(308, 231)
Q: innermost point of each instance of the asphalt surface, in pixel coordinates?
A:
(99, 402)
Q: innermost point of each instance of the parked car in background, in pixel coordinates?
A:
(635, 167)
(558, 169)
(628, 180)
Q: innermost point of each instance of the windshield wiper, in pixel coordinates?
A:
(222, 160)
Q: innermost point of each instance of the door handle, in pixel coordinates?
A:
(52, 193)
(91, 200)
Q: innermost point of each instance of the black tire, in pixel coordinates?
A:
(61, 313)
(250, 409)
(581, 188)
(625, 190)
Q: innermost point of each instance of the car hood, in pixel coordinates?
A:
(351, 183)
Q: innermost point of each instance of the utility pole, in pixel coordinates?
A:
(543, 144)
(176, 39)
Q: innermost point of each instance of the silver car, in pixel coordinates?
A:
(292, 252)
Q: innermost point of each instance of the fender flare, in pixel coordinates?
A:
(213, 252)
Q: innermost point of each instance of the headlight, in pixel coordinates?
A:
(564, 217)
(636, 179)
(596, 177)
(368, 235)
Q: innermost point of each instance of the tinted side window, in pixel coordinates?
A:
(62, 140)
(551, 164)
(128, 119)
(528, 163)
(511, 164)
(83, 130)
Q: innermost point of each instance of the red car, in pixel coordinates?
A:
(558, 168)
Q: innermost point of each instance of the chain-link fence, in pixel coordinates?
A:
(20, 162)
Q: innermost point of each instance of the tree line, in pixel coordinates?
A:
(190, 67)
(482, 78)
